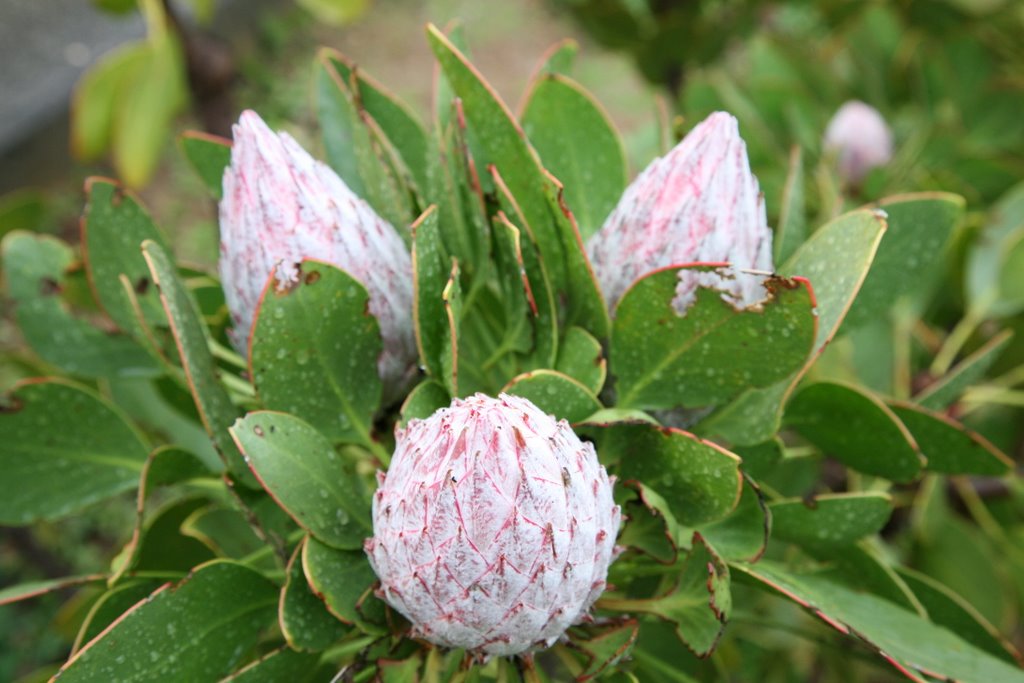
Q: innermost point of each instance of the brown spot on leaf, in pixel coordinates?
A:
(48, 286)
(313, 277)
(142, 285)
(257, 430)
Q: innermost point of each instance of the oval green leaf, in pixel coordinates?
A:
(555, 394)
(830, 519)
(299, 467)
(314, 352)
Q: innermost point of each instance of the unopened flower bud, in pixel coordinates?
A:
(860, 139)
(494, 526)
(280, 206)
(700, 203)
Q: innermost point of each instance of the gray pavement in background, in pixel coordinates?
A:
(44, 47)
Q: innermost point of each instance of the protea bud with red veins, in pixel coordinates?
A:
(493, 528)
(698, 203)
(860, 139)
(280, 206)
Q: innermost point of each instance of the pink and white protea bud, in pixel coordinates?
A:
(860, 139)
(280, 205)
(494, 526)
(700, 203)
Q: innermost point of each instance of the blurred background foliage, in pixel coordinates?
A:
(948, 75)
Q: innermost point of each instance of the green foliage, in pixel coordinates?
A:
(845, 433)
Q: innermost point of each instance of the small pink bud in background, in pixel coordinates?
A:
(698, 203)
(860, 139)
(280, 205)
(494, 526)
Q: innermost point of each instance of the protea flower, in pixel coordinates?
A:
(860, 139)
(698, 203)
(494, 526)
(280, 205)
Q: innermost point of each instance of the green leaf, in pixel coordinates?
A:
(160, 545)
(337, 12)
(305, 621)
(23, 209)
(534, 273)
(580, 356)
(586, 307)
(113, 229)
(197, 630)
(559, 58)
(96, 98)
(555, 394)
(913, 645)
(792, 229)
(396, 119)
(650, 526)
(451, 297)
(519, 304)
(32, 589)
(578, 143)
(35, 269)
(148, 99)
(429, 270)
(112, 604)
(192, 339)
(856, 428)
(946, 608)
(314, 352)
(830, 519)
(985, 260)
(948, 446)
(920, 227)
(165, 465)
(282, 664)
(226, 532)
(300, 468)
(209, 155)
(947, 389)
(743, 533)
(836, 260)
(698, 605)
(500, 135)
(351, 150)
(424, 400)
(700, 481)
(399, 671)
(604, 646)
(344, 579)
(713, 352)
(65, 447)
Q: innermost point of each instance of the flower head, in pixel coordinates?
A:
(861, 140)
(280, 205)
(494, 526)
(698, 203)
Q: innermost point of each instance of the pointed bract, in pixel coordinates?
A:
(700, 203)
(494, 526)
(280, 206)
(861, 140)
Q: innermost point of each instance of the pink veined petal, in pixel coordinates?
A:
(494, 526)
(280, 206)
(698, 203)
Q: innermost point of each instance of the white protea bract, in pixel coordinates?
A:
(700, 203)
(860, 139)
(494, 526)
(281, 205)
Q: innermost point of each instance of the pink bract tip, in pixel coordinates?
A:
(700, 203)
(861, 140)
(280, 206)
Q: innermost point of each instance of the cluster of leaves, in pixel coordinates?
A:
(248, 564)
(946, 75)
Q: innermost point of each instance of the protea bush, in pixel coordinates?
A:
(410, 434)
